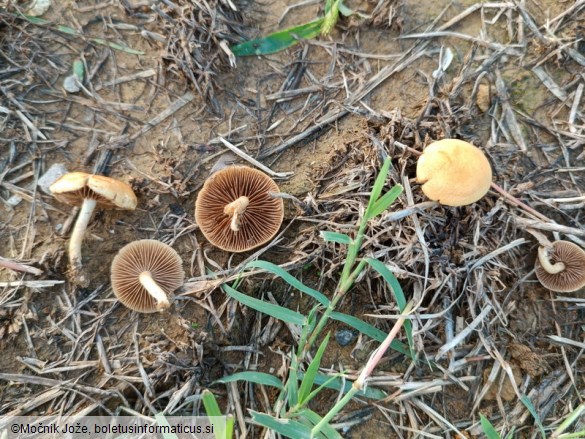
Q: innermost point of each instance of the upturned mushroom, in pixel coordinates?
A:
(561, 267)
(453, 172)
(88, 191)
(236, 209)
(144, 275)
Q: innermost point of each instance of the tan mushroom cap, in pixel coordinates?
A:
(572, 278)
(145, 256)
(235, 210)
(74, 187)
(454, 172)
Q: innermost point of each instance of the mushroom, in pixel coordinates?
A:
(561, 267)
(454, 172)
(236, 211)
(89, 191)
(144, 275)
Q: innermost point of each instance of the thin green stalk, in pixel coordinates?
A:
(366, 371)
(343, 288)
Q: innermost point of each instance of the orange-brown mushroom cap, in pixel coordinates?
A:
(74, 187)
(145, 256)
(572, 278)
(235, 210)
(454, 172)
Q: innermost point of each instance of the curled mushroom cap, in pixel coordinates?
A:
(454, 172)
(562, 267)
(144, 275)
(89, 191)
(235, 210)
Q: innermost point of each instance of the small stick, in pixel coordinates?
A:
(16, 266)
(253, 161)
(519, 203)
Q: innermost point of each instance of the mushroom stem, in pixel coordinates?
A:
(78, 231)
(546, 263)
(157, 293)
(235, 209)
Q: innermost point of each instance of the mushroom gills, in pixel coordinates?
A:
(235, 210)
(157, 293)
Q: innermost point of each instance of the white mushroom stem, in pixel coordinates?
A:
(78, 231)
(157, 293)
(235, 209)
(546, 263)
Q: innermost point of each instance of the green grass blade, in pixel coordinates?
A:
(290, 279)
(488, 428)
(534, 414)
(336, 383)
(345, 11)
(398, 295)
(378, 186)
(162, 421)
(340, 238)
(309, 378)
(280, 40)
(119, 47)
(276, 311)
(69, 31)
(328, 431)
(210, 404)
(385, 201)
(285, 427)
(292, 385)
(370, 331)
(252, 377)
(212, 409)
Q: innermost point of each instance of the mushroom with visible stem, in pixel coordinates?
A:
(560, 266)
(239, 208)
(89, 191)
(145, 273)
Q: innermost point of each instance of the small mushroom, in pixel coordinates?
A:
(561, 267)
(236, 211)
(89, 191)
(144, 275)
(454, 172)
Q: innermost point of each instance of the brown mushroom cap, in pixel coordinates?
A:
(160, 260)
(572, 278)
(454, 172)
(74, 187)
(258, 216)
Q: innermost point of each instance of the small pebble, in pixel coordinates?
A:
(48, 178)
(345, 336)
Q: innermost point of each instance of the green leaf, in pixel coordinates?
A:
(398, 295)
(280, 40)
(370, 331)
(290, 279)
(210, 404)
(534, 414)
(340, 238)
(286, 427)
(212, 409)
(162, 421)
(488, 428)
(292, 383)
(327, 430)
(69, 31)
(116, 46)
(276, 311)
(378, 186)
(385, 201)
(252, 377)
(309, 378)
(78, 70)
(336, 383)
